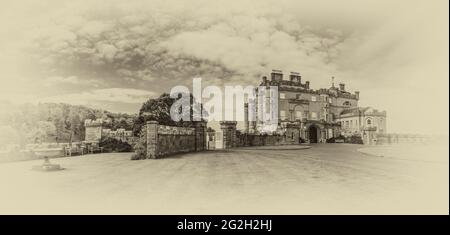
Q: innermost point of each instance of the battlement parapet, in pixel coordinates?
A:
(93, 123)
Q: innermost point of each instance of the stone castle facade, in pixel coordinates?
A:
(310, 115)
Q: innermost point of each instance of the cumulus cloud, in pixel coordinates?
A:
(174, 42)
(381, 48)
(70, 80)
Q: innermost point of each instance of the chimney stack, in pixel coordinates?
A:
(357, 95)
(276, 75)
(342, 86)
(307, 84)
(295, 77)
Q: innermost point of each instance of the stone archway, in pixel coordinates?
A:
(313, 134)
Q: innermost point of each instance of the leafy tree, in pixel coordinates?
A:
(43, 131)
(158, 109)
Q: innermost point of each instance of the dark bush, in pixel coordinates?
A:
(114, 145)
(301, 140)
(355, 139)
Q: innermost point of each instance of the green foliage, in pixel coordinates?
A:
(114, 145)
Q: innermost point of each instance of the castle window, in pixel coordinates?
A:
(369, 122)
(282, 115)
(346, 103)
(298, 115)
(313, 98)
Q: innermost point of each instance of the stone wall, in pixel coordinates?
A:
(250, 139)
(228, 129)
(93, 131)
(229, 137)
(166, 140)
(401, 138)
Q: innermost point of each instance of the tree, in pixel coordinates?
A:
(158, 109)
(43, 131)
(8, 135)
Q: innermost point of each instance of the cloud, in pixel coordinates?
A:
(381, 48)
(120, 95)
(70, 81)
(173, 41)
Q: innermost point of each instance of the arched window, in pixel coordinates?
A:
(369, 122)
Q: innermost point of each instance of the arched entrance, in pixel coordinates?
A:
(312, 134)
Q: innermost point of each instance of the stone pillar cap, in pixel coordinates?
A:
(228, 122)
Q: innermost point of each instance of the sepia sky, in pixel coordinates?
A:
(116, 54)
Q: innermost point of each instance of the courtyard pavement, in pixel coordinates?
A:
(324, 179)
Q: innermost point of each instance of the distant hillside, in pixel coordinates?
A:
(53, 122)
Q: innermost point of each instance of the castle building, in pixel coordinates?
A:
(357, 120)
(317, 115)
(94, 131)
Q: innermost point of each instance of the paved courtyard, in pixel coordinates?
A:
(327, 178)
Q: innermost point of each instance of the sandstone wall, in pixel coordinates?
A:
(166, 140)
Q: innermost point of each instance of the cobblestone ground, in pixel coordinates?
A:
(325, 179)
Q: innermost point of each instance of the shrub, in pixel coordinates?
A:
(140, 151)
(337, 139)
(140, 147)
(114, 145)
(355, 139)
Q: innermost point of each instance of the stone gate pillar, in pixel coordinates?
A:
(152, 139)
(246, 121)
(200, 136)
(210, 139)
(229, 133)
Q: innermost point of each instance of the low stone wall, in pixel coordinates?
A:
(166, 140)
(401, 138)
(229, 137)
(248, 139)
